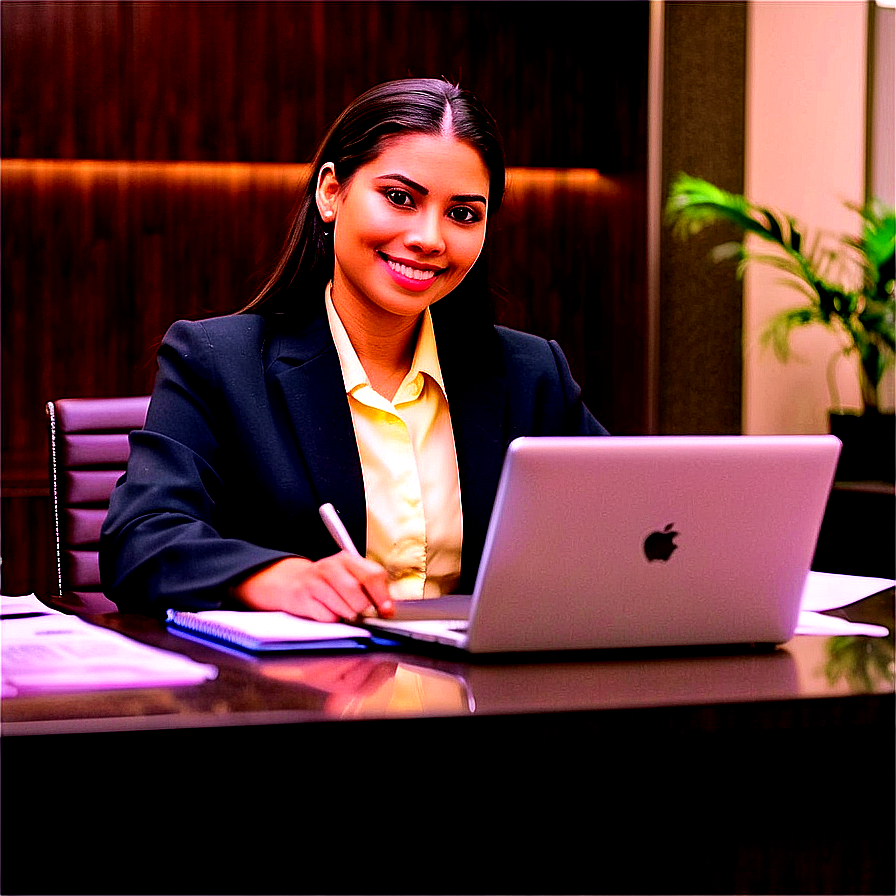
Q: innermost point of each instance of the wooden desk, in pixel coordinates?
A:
(662, 772)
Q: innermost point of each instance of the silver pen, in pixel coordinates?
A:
(337, 529)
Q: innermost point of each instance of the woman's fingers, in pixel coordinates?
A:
(374, 582)
(356, 583)
(339, 587)
(334, 586)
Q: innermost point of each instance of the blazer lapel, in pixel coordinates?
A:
(306, 367)
(310, 378)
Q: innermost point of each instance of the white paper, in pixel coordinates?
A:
(275, 625)
(830, 591)
(811, 623)
(58, 652)
(23, 603)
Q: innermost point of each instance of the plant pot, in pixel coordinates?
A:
(869, 445)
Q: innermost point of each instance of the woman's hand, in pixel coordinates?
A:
(339, 587)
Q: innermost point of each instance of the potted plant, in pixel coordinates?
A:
(848, 287)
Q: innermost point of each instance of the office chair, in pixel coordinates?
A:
(88, 453)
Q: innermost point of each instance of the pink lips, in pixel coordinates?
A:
(409, 282)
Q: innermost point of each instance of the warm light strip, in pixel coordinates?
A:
(580, 176)
(187, 170)
(215, 170)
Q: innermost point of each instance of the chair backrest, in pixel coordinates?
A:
(88, 453)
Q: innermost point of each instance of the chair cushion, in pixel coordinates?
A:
(82, 525)
(81, 570)
(101, 414)
(90, 450)
(89, 486)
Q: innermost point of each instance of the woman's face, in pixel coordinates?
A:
(408, 226)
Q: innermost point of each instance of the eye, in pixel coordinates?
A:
(400, 198)
(463, 214)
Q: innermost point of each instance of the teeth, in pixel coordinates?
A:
(411, 273)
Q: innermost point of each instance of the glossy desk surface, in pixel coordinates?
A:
(382, 685)
(715, 771)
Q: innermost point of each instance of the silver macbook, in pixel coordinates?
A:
(645, 541)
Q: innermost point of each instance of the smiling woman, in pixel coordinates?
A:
(367, 373)
(408, 227)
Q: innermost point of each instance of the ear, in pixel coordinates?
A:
(327, 192)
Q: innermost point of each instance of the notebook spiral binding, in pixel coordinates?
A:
(192, 623)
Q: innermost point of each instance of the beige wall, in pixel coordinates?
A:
(805, 154)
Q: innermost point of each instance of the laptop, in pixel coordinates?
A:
(641, 541)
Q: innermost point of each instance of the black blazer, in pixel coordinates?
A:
(249, 431)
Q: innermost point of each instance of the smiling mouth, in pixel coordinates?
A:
(412, 273)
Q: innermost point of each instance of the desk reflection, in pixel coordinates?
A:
(859, 664)
(371, 686)
(395, 685)
(365, 687)
(399, 684)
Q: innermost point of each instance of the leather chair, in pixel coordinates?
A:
(88, 453)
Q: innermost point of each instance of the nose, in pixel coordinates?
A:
(425, 235)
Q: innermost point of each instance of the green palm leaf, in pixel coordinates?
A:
(824, 276)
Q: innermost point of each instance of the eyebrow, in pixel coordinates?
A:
(461, 197)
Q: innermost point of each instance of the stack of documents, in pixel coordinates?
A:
(45, 651)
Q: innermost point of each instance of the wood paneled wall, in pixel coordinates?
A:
(151, 153)
(258, 81)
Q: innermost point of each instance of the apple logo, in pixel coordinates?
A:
(660, 545)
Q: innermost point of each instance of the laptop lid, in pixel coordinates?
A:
(648, 541)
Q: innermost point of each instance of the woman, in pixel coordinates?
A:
(341, 383)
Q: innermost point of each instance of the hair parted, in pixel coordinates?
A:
(357, 137)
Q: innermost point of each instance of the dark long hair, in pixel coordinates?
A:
(305, 262)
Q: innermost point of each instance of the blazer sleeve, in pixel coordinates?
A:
(163, 544)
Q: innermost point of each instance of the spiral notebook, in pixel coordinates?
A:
(267, 631)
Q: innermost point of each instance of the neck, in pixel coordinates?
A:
(383, 342)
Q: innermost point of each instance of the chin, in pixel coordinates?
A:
(407, 302)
